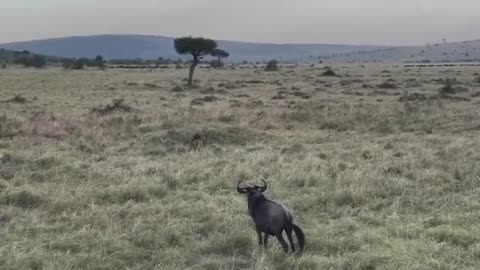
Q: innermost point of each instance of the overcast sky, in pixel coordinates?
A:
(382, 22)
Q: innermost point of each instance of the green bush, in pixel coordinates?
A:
(329, 72)
(23, 199)
(272, 65)
(34, 60)
(447, 87)
(216, 64)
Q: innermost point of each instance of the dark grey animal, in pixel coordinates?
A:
(270, 217)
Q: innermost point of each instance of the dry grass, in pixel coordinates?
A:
(376, 180)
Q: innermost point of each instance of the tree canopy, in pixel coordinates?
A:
(220, 53)
(197, 47)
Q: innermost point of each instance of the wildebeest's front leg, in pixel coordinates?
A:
(265, 240)
(259, 233)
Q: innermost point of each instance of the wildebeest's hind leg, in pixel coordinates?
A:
(259, 233)
(289, 231)
(265, 240)
(282, 241)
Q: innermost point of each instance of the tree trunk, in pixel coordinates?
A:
(190, 72)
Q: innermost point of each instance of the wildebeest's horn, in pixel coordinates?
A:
(239, 189)
(262, 188)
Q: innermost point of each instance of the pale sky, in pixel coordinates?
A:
(375, 22)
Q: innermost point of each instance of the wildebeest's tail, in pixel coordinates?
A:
(300, 236)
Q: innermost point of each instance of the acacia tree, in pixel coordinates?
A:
(197, 47)
(99, 61)
(220, 54)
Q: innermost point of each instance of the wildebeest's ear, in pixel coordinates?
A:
(241, 190)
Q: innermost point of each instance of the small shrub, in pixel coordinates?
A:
(8, 128)
(4, 66)
(231, 136)
(151, 85)
(329, 72)
(387, 85)
(476, 94)
(298, 115)
(293, 149)
(413, 97)
(447, 87)
(211, 90)
(255, 81)
(477, 79)
(123, 195)
(76, 64)
(23, 199)
(210, 98)
(366, 155)
(216, 64)
(227, 118)
(272, 65)
(412, 84)
(45, 163)
(35, 60)
(200, 101)
(18, 99)
(7, 174)
(348, 198)
(34, 263)
(65, 245)
(116, 106)
(279, 95)
(457, 237)
(177, 88)
(302, 95)
(227, 85)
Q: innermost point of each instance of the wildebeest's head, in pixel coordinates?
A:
(252, 190)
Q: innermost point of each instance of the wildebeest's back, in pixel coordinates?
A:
(270, 217)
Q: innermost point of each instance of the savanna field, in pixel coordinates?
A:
(379, 166)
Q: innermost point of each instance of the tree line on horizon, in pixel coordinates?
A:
(197, 47)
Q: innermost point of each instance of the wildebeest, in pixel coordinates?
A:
(270, 217)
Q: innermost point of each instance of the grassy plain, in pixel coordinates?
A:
(379, 170)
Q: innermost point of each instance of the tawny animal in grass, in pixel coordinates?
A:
(271, 218)
(196, 142)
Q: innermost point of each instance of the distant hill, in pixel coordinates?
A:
(465, 51)
(152, 47)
